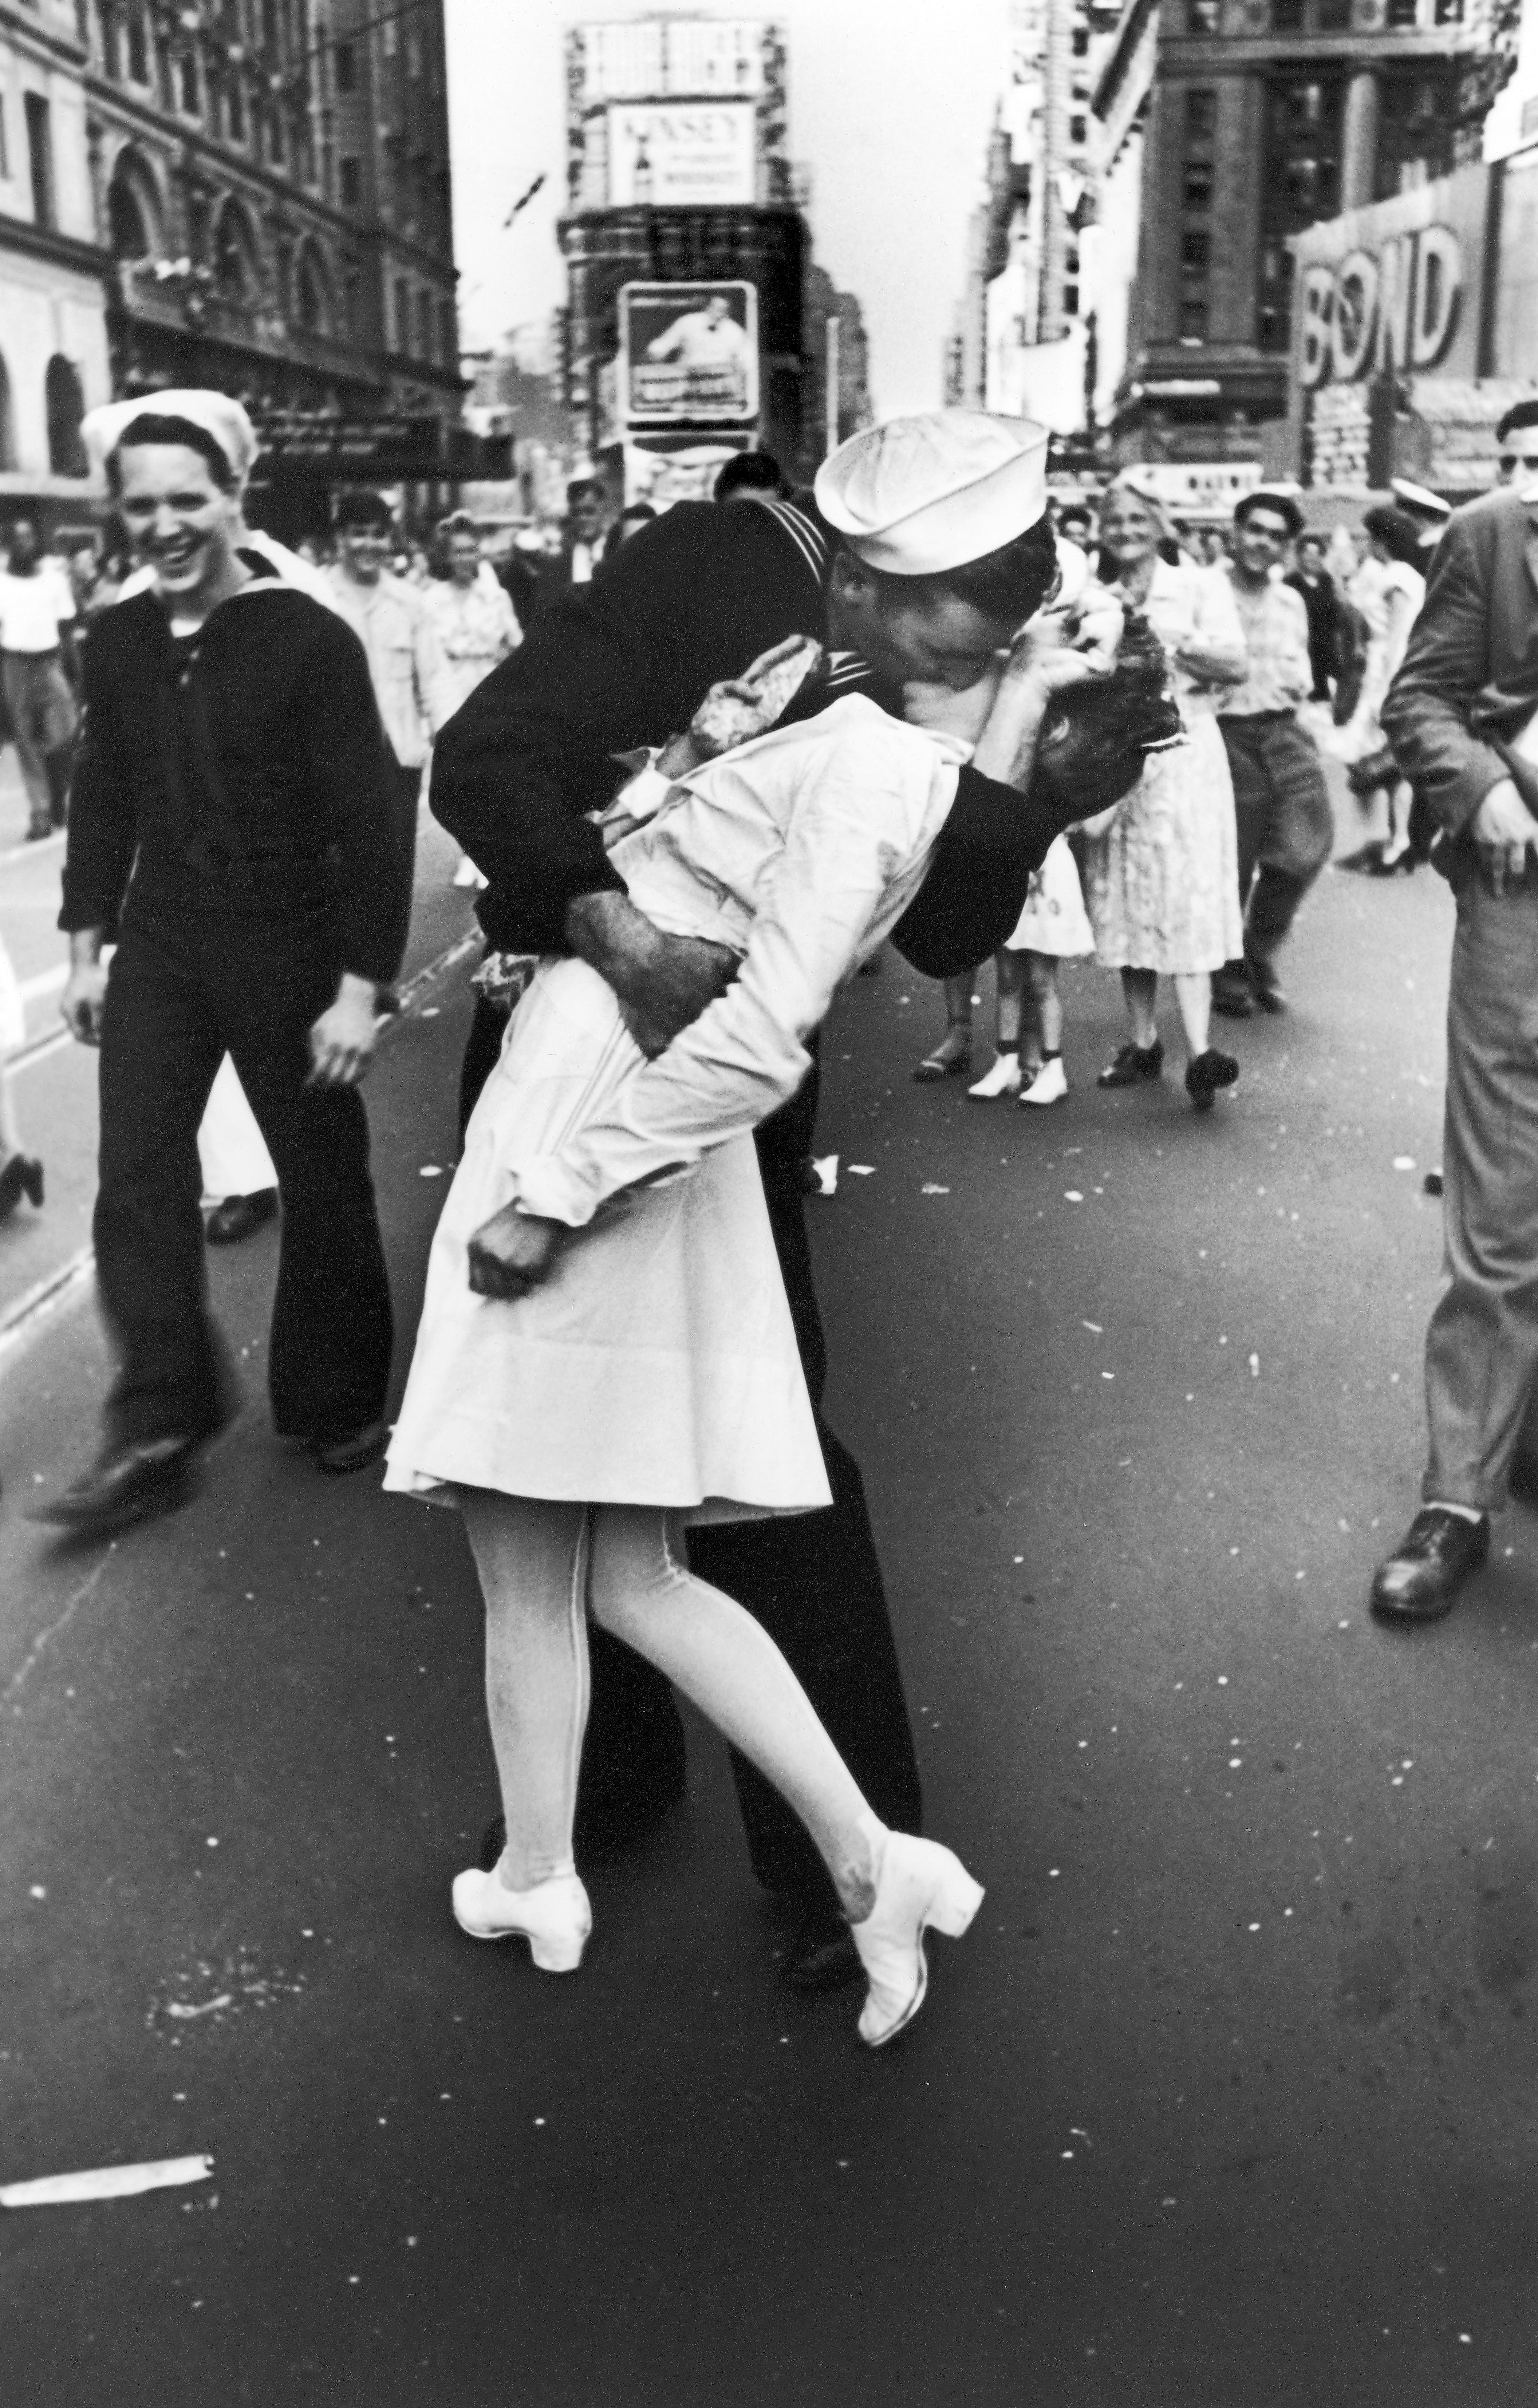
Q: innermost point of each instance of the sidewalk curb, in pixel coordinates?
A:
(50, 1295)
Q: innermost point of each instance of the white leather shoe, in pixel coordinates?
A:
(554, 1916)
(921, 1887)
(1003, 1079)
(1050, 1085)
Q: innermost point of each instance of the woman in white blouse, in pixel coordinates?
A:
(476, 627)
(1162, 874)
(606, 1354)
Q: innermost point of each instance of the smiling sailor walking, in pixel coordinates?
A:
(230, 829)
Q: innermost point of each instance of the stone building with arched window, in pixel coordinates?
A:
(53, 348)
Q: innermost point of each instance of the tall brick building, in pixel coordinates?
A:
(1263, 116)
(272, 189)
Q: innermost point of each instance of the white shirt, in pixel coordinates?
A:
(1192, 608)
(34, 609)
(799, 850)
(701, 344)
(406, 660)
(476, 628)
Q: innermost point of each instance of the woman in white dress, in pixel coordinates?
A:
(606, 1354)
(1162, 877)
(1389, 590)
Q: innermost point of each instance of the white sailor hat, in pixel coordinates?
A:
(1420, 497)
(216, 414)
(922, 494)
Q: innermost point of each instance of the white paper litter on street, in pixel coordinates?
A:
(862, 1171)
(825, 1167)
(106, 2182)
(929, 1188)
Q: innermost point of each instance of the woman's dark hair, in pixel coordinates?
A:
(748, 472)
(149, 427)
(1401, 534)
(365, 510)
(1114, 722)
(1010, 583)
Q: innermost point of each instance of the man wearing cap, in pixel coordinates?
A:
(1282, 809)
(1428, 511)
(229, 832)
(926, 547)
(1462, 718)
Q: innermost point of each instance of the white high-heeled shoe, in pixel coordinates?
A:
(921, 1887)
(1050, 1085)
(553, 1916)
(1003, 1079)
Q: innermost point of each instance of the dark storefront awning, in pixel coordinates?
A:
(298, 447)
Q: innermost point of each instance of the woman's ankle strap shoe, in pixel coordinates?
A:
(920, 1887)
(554, 1916)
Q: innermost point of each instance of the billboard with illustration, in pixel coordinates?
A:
(688, 355)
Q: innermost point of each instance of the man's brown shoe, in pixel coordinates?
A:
(1422, 1577)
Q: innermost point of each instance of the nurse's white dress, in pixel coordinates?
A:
(657, 1365)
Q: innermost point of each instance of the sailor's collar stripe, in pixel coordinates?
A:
(805, 534)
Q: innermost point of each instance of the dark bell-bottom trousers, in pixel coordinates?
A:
(812, 1580)
(1286, 827)
(1482, 1346)
(186, 986)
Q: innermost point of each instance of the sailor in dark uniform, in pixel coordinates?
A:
(927, 547)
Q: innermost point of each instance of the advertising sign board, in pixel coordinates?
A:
(688, 355)
(681, 154)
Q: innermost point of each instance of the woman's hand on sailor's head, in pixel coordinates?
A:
(511, 1252)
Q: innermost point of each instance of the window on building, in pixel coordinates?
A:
(1201, 118)
(390, 31)
(1197, 189)
(1401, 16)
(1197, 193)
(1299, 183)
(1286, 16)
(187, 84)
(1076, 131)
(64, 397)
(275, 138)
(1081, 41)
(350, 182)
(1332, 16)
(139, 48)
(1449, 13)
(234, 110)
(40, 156)
(1195, 248)
(1416, 138)
(346, 60)
(1194, 320)
(414, 57)
(448, 334)
(403, 314)
(1201, 16)
(127, 220)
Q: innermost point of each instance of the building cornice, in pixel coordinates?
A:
(1184, 55)
(1123, 56)
(60, 249)
(21, 27)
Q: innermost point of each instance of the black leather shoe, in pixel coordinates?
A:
(238, 1215)
(353, 1449)
(21, 1174)
(822, 1954)
(1267, 986)
(1132, 1063)
(1235, 1002)
(128, 1484)
(1422, 1577)
(1206, 1074)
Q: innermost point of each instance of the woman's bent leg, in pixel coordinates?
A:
(531, 1554)
(728, 1665)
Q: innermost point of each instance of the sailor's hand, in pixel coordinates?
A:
(83, 1001)
(342, 1041)
(662, 983)
(1503, 829)
(511, 1252)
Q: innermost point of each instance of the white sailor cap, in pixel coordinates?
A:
(1420, 497)
(216, 414)
(922, 494)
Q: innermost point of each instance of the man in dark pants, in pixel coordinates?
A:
(625, 663)
(1281, 803)
(230, 829)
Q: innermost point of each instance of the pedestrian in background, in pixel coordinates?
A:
(1284, 818)
(1387, 589)
(580, 550)
(38, 617)
(1162, 878)
(1053, 927)
(412, 685)
(750, 475)
(1315, 587)
(476, 628)
(630, 524)
(231, 829)
(1462, 716)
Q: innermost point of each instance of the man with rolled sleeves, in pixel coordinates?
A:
(926, 547)
(1462, 719)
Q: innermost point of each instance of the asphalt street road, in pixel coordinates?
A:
(1225, 2103)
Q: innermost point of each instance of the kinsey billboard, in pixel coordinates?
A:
(688, 355)
(681, 154)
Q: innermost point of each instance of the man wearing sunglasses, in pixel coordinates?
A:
(1462, 718)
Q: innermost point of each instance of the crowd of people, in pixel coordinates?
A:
(902, 707)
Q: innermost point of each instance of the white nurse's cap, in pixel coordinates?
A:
(216, 414)
(922, 494)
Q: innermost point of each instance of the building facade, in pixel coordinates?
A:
(1262, 118)
(53, 345)
(272, 183)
